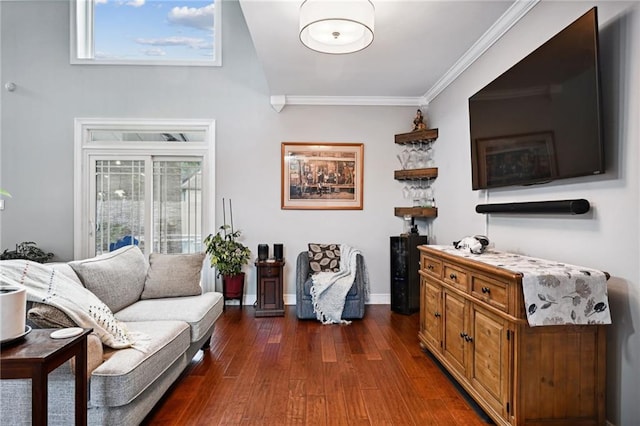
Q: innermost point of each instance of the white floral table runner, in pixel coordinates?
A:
(554, 293)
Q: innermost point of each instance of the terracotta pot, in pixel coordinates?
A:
(13, 305)
(233, 286)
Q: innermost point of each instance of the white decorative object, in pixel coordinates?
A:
(475, 244)
(65, 333)
(13, 312)
(337, 26)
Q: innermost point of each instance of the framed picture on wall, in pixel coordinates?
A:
(518, 158)
(322, 176)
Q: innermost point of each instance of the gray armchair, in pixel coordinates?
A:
(354, 303)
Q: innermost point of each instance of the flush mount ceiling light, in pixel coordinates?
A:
(336, 26)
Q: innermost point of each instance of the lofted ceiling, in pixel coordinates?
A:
(418, 46)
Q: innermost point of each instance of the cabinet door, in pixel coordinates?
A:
(270, 295)
(432, 313)
(453, 342)
(490, 358)
(422, 334)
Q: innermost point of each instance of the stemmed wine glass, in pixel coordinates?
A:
(418, 195)
(403, 157)
(421, 156)
(413, 157)
(428, 156)
(406, 190)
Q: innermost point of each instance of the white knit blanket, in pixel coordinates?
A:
(44, 284)
(329, 289)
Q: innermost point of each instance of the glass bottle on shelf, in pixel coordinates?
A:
(408, 223)
(429, 198)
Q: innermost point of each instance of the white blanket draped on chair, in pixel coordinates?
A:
(329, 289)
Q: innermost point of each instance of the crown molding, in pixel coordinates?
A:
(278, 102)
(508, 19)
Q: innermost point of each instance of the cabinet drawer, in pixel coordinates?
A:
(431, 266)
(269, 271)
(491, 291)
(456, 277)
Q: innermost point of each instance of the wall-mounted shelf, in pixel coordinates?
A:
(416, 211)
(418, 136)
(415, 174)
(428, 135)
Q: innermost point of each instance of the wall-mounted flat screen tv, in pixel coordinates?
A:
(541, 119)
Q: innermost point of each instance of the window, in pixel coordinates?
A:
(121, 204)
(146, 32)
(177, 200)
(148, 183)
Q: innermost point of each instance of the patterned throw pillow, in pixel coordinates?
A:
(324, 257)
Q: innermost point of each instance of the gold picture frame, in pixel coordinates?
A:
(322, 176)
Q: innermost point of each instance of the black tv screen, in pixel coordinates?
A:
(541, 120)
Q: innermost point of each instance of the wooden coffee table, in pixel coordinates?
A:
(35, 357)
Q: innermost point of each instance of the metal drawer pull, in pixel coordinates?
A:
(430, 267)
(453, 276)
(466, 337)
(437, 315)
(486, 290)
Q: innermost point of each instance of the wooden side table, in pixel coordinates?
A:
(37, 356)
(270, 301)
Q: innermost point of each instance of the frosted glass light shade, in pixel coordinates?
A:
(337, 26)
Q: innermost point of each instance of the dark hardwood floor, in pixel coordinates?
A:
(281, 370)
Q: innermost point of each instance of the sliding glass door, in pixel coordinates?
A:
(162, 213)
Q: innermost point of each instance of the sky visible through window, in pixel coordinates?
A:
(154, 30)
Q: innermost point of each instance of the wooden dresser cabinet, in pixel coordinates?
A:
(473, 320)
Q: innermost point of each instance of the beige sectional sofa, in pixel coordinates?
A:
(162, 304)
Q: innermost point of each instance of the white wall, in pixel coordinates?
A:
(37, 132)
(1, 95)
(37, 155)
(606, 238)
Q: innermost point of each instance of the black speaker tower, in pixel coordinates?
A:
(278, 251)
(405, 280)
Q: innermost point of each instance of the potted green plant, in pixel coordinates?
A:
(228, 255)
(27, 250)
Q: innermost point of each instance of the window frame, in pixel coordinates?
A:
(93, 158)
(81, 40)
(86, 151)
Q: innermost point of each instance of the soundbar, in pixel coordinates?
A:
(577, 206)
